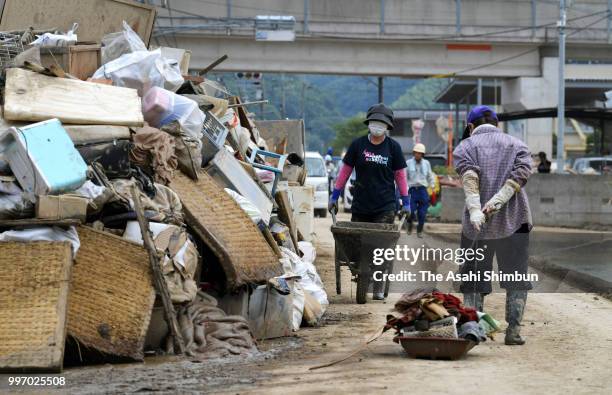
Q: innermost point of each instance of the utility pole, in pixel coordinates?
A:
(282, 95)
(561, 104)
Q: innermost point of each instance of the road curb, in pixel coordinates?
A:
(584, 281)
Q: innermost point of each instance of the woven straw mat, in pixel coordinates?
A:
(245, 255)
(111, 296)
(34, 281)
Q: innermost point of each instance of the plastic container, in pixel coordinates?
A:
(160, 107)
(155, 104)
(43, 158)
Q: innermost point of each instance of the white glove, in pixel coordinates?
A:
(502, 196)
(477, 217)
(471, 187)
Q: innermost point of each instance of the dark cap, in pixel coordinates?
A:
(479, 112)
(380, 112)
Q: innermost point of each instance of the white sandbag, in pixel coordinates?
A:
(180, 259)
(297, 293)
(310, 280)
(246, 205)
(44, 233)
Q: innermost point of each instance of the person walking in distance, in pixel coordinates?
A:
(420, 177)
(494, 168)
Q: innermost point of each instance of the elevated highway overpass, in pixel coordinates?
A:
(485, 38)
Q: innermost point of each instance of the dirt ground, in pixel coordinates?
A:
(569, 345)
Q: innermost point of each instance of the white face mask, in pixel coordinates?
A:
(377, 128)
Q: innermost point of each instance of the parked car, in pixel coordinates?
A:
(316, 175)
(596, 165)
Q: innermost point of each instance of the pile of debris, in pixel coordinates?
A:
(428, 313)
(143, 209)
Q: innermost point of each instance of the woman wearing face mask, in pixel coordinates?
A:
(379, 164)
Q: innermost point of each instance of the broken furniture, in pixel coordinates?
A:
(80, 61)
(277, 170)
(286, 136)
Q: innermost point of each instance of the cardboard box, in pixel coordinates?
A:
(61, 207)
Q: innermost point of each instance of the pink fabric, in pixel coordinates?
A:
(343, 176)
(401, 181)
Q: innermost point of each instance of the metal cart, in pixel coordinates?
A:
(349, 240)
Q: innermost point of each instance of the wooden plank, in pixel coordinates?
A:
(34, 97)
(158, 277)
(95, 17)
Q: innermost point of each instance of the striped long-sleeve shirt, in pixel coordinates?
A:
(496, 157)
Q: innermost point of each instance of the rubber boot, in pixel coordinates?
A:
(474, 300)
(409, 225)
(515, 306)
(378, 290)
(420, 230)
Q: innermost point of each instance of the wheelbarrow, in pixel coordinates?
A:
(350, 244)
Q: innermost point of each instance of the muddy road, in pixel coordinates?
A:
(569, 350)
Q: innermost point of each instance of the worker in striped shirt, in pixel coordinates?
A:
(494, 168)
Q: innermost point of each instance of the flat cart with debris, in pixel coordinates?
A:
(350, 243)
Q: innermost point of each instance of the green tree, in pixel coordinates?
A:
(347, 131)
(421, 96)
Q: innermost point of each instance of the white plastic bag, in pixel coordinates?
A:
(57, 40)
(142, 70)
(310, 280)
(308, 250)
(170, 69)
(116, 44)
(298, 299)
(44, 233)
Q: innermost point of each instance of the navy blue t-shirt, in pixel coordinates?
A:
(374, 166)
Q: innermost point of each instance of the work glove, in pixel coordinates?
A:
(332, 207)
(470, 181)
(501, 197)
(405, 210)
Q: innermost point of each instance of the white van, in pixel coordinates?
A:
(316, 175)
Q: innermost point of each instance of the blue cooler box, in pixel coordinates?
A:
(43, 158)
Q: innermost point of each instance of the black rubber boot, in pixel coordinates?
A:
(515, 306)
(378, 290)
(474, 300)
